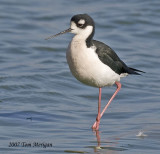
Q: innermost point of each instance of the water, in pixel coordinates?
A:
(44, 109)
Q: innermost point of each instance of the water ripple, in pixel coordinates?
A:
(40, 99)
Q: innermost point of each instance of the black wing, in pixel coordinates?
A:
(110, 58)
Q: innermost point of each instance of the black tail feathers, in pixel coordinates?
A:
(135, 71)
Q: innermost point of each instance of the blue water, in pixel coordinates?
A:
(44, 109)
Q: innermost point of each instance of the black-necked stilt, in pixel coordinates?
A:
(93, 62)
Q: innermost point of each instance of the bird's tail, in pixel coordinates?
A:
(135, 71)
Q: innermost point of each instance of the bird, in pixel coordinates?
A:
(93, 62)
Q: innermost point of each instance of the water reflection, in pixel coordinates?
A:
(109, 146)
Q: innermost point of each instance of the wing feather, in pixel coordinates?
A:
(110, 58)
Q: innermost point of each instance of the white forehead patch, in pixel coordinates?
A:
(82, 21)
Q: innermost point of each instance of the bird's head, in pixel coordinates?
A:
(81, 25)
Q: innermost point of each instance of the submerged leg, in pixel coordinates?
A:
(117, 90)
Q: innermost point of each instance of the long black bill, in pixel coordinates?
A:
(63, 32)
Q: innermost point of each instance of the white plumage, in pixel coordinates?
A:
(86, 66)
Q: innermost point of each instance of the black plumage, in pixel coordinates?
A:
(110, 58)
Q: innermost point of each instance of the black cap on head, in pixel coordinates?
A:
(88, 20)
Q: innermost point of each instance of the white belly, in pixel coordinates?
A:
(87, 67)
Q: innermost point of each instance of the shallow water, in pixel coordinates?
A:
(44, 109)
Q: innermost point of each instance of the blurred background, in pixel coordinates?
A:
(40, 101)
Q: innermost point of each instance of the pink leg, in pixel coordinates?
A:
(96, 123)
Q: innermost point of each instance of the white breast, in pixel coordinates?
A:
(87, 67)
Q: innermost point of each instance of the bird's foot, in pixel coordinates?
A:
(96, 124)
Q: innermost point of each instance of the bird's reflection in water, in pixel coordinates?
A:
(110, 146)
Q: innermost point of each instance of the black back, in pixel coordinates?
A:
(110, 58)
